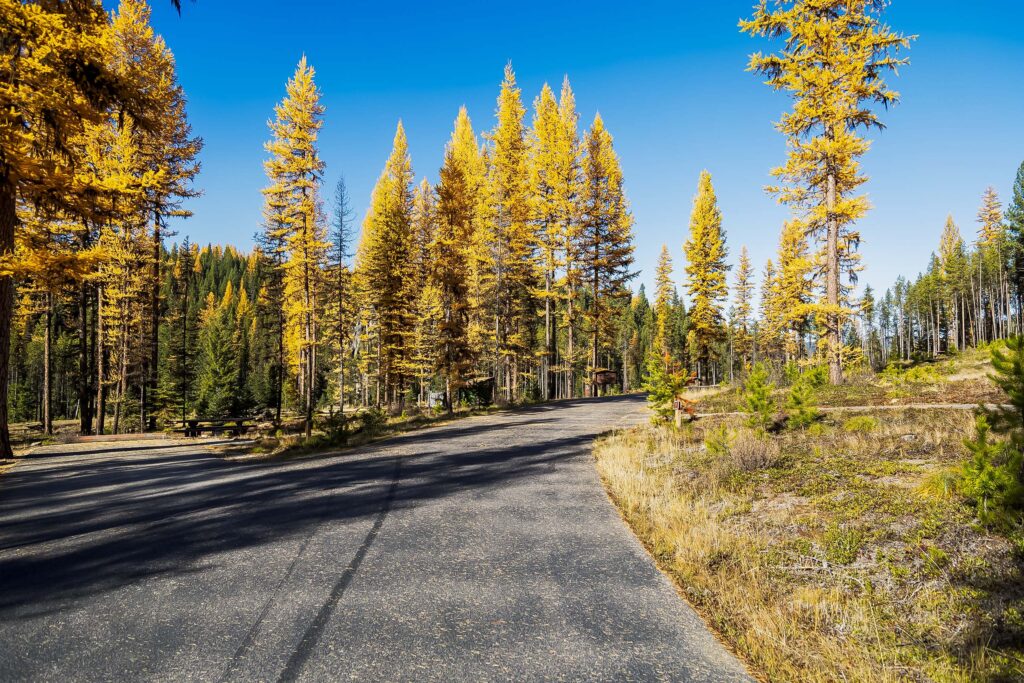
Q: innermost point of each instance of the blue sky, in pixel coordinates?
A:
(668, 78)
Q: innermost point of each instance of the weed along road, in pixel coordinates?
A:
(481, 550)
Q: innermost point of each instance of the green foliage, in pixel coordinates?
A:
(757, 398)
(864, 424)
(842, 544)
(800, 404)
(218, 380)
(990, 480)
(664, 383)
(717, 442)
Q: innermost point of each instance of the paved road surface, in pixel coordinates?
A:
(483, 550)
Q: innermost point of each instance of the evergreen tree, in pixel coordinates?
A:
(1015, 232)
(706, 277)
(219, 376)
(833, 61)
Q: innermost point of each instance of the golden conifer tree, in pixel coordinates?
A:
(771, 323)
(605, 240)
(512, 242)
(568, 193)
(794, 288)
(706, 278)
(384, 270)
(55, 79)
(833, 61)
(663, 296)
(295, 171)
(450, 254)
(743, 301)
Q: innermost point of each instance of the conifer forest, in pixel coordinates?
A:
(510, 279)
(636, 332)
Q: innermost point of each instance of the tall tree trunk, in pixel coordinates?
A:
(832, 337)
(47, 363)
(101, 388)
(148, 409)
(8, 219)
(84, 383)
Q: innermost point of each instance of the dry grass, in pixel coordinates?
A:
(836, 556)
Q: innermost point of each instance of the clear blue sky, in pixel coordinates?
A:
(668, 77)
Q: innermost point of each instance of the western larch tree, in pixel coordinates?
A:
(512, 241)
(384, 261)
(953, 265)
(743, 302)
(606, 239)
(555, 187)
(664, 291)
(426, 315)
(833, 60)
(55, 79)
(794, 289)
(706, 277)
(296, 171)
(545, 157)
(771, 322)
(450, 275)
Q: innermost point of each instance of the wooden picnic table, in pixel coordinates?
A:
(195, 426)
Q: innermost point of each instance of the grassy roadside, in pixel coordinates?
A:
(836, 553)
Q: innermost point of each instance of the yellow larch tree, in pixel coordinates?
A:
(771, 320)
(794, 289)
(664, 293)
(512, 242)
(55, 79)
(450, 253)
(832, 62)
(295, 171)
(420, 289)
(168, 147)
(743, 292)
(554, 185)
(705, 278)
(605, 241)
(384, 270)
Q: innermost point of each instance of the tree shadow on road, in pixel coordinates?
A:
(94, 526)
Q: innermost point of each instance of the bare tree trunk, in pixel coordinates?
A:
(832, 337)
(154, 330)
(8, 219)
(101, 388)
(47, 362)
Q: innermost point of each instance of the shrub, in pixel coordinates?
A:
(663, 385)
(757, 398)
(717, 442)
(750, 451)
(842, 544)
(863, 424)
(990, 478)
(800, 404)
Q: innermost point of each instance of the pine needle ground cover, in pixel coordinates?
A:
(839, 552)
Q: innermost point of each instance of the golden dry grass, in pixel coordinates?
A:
(839, 559)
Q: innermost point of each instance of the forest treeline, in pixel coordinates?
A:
(506, 280)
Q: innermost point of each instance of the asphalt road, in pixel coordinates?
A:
(481, 550)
